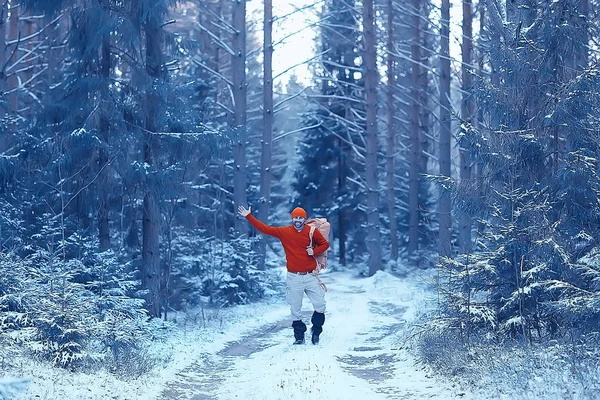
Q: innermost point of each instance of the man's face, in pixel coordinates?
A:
(298, 222)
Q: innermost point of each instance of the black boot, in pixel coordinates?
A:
(318, 319)
(299, 329)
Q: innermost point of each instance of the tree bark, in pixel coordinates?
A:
(413, 175)
(29, 30)
(13, 82)
(580, 59)
(341, 227)
(467, 114)
(151, 212)
(479, 121)
(391, 135)
(445, 133)
(3, 57)
(104, 128)
(265, 171)
(425, 124)
(238, 63)
(370, 57)
(582, 56)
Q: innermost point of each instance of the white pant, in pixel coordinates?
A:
(297, 285)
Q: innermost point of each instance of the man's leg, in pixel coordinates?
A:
(294, 295)
(316, 295)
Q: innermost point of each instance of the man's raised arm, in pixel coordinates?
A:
(263, 228)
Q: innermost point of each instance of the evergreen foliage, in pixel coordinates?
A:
(532, 274)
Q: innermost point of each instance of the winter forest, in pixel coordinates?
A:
(452, 145)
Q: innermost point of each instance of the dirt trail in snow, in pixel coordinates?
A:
(359, 357)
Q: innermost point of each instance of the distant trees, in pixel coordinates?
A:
(329, 178)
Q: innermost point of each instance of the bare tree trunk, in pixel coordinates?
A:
(415, 151)
(425, 127)
(217, 61)
(3, 57)
(341, 227)
(265, 171)
(151, 212)
(467, 114)
(479, 121)
(29, 30)
(391, 134)
(373, 234)
(13, 82)
(103, 222)
(53, 55)
(490, 21)
(582, 57)
(238, 64)
(445, 133)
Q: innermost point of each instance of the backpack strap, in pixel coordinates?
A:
(310, 235)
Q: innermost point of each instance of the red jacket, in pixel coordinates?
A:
(294, 243)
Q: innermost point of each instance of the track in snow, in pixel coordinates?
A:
(359, 356)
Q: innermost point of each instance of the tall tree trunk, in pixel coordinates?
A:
(425, 123)
(491, 19)
(53, 53)
(479, 121)
(370, 57)
(29, 30)
(103, 222)
(341, 226)
(265, 171)
(391, 134)
(238, 64)
(582, 55)
(445, 133)
(13, 82)
(467, 112)
(217, 50)
(3, 58)
(413, 175)
(151, 212)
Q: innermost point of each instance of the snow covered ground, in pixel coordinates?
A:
(246, 352)
(360, 355)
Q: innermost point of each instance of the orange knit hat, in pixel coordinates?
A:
(298, 212)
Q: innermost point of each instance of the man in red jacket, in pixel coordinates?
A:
(301, 266)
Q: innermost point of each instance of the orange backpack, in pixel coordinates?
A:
(324, 227)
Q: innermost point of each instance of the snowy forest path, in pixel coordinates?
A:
(360, 355)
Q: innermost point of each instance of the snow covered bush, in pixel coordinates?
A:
(11, 223)
(120, 324)
(82, 311)
(509, 370)
(223, 271)
(15, 282)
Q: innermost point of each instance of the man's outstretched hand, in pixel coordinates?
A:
(243, 211)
